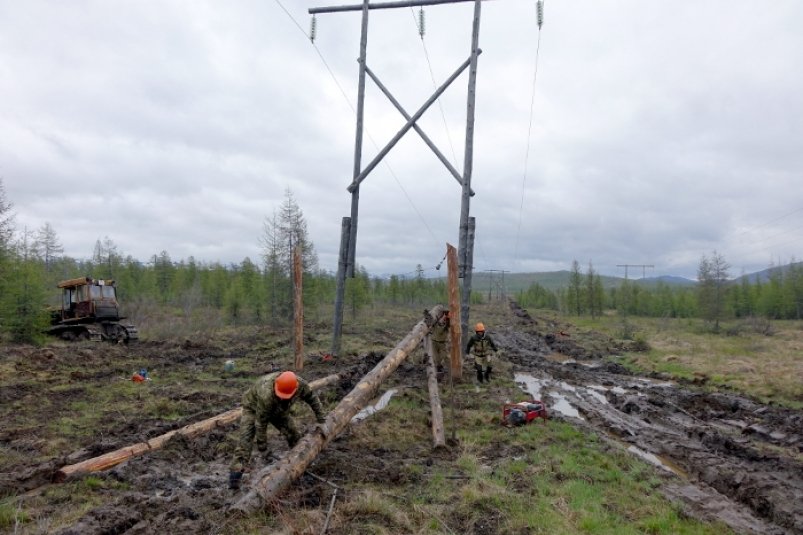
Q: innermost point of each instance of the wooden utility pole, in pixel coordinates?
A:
(276, 477)
(342, 263)
(298, 309)
(467, 225)
(501, 290)
(467, 268)
(642, 266)
(627, 292)
(113, 458)
(348, 240)
(455, 330)
(438, 433)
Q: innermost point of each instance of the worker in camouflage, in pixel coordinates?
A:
(482, 347)
(439, 336)
(269, 400)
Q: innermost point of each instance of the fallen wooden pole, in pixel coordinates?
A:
(113, 458)
(438, 434)
(275, 478)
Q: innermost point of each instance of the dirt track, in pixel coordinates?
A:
(730, 458)
(735, 460)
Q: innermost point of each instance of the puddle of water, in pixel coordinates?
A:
(656, 460)
(596, 395)
(534, 386)
(376, 407)
(531, 385)
(563, 406)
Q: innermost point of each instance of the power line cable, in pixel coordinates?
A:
(539, 16)
(376, 146)
(434, 84)
(762, 225)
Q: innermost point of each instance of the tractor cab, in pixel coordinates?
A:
(85, 298)
(90, 311)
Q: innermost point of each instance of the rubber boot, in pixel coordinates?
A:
(488, 374)
(479, 373)
(235, 479)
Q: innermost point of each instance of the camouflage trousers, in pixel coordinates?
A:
(439, 354)
(483, 362)
(255, 429)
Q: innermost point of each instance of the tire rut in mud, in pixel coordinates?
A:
(732, 456)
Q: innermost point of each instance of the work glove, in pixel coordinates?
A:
(235, 480)
(323, 429)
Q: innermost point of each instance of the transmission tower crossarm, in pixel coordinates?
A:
(385, 5)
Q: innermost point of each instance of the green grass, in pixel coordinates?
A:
(766, 367)
(11, 514)
(539, 478)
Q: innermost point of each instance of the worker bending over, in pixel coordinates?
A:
(483, 348)
(269, 400)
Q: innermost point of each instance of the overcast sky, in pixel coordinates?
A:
(660, 130)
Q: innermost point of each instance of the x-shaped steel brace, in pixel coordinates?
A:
(411, 123)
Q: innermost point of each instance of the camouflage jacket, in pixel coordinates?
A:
(262, 401)
(440, 331)
(481, 344)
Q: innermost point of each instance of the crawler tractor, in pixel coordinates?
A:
(89, 311)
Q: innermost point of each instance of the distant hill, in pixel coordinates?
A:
(765, 274)
(485, 282)
(515, 282)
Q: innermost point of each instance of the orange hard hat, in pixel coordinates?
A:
(285, 385)
(479, 327)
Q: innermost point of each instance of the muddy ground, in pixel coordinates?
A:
(726, 457)
(735, 460)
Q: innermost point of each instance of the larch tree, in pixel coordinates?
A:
(23, 302)
(6, 224)
(47, 246)
(575, 293)
(283, 231)
(712, 276)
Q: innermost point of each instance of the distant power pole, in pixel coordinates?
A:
(348, 237)
(643, 275)
(642, 266)
(501, 289)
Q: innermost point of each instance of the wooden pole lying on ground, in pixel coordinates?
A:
(298, 309)
(438, 435)
(275, 478)
(113, 458)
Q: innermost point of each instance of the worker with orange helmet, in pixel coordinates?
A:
(269, 401)
(482, 347)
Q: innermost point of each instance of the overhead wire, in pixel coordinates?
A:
(348, 101)
(434, 85)
(762, 225)
(539, 17)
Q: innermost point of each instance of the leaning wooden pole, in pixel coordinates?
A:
(276, 477)
(438, 434)
(298, 309)
(113, 458)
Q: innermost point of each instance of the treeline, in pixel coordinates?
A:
(188, 291)
(714, 298)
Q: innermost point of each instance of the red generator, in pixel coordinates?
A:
(524, 412)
